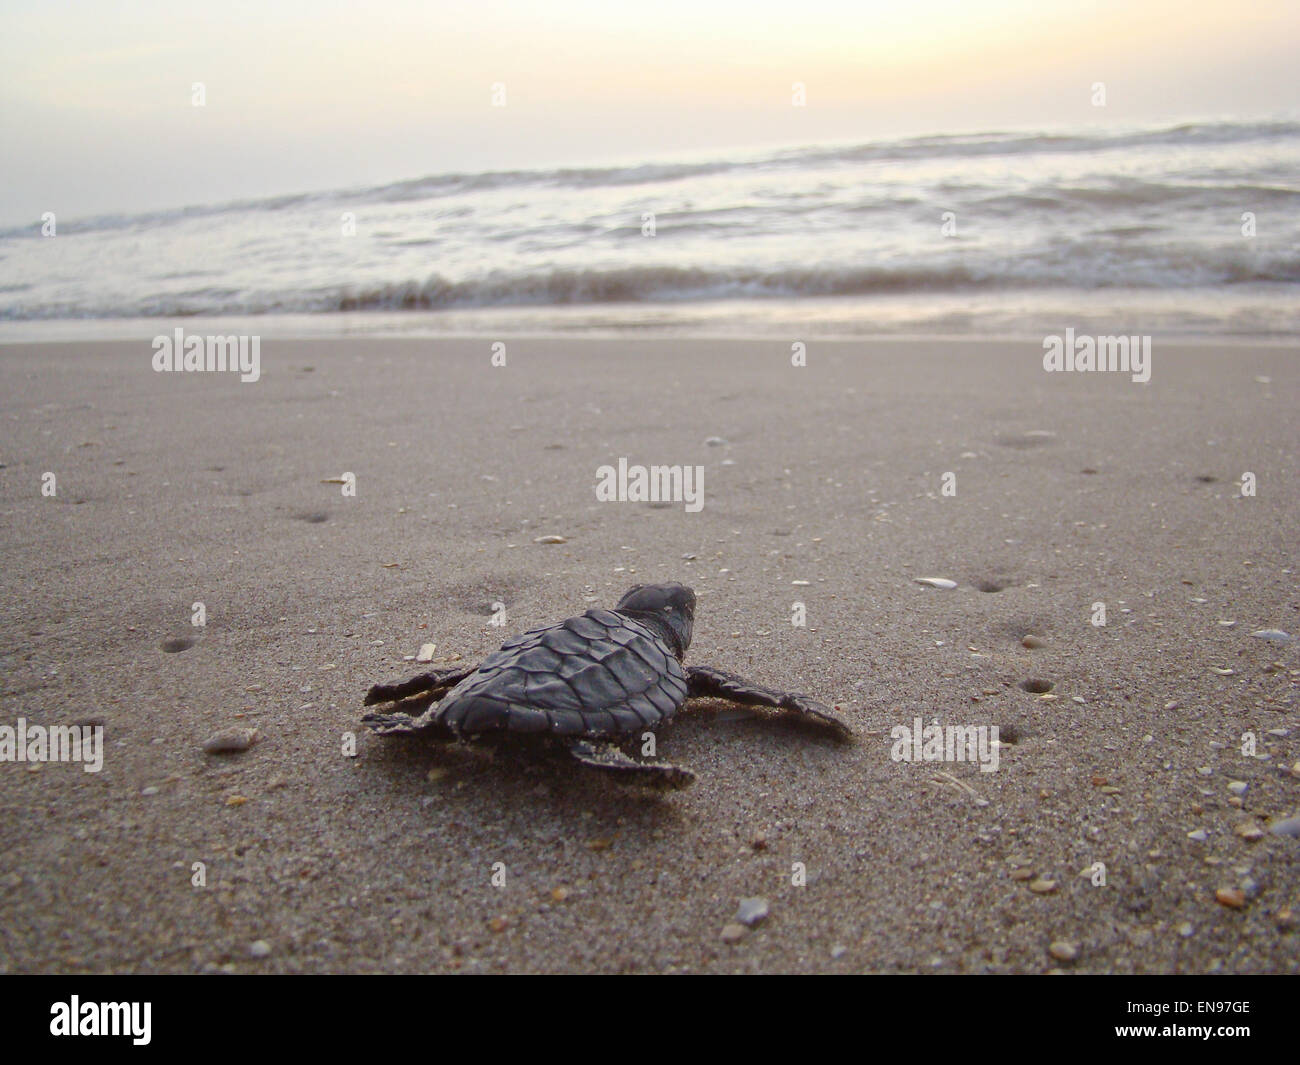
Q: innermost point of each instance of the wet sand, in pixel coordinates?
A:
(1070, 490)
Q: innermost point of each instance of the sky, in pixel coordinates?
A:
(97, 101)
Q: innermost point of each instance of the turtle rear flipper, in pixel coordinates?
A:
(607, 758)
(430, 682)
(708, 682)
(397, 723)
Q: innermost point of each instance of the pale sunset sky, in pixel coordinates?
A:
(96, 113)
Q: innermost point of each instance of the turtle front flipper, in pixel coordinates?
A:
(607, 758)
(425, 682)
(707, 682)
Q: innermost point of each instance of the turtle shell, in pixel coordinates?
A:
(600, 674)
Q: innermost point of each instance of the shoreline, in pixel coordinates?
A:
(69, 331)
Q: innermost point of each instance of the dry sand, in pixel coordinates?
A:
(174, 489)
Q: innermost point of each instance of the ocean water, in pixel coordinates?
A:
(1139, 230)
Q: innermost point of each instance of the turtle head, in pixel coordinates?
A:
(669, 608)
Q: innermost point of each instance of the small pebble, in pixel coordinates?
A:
(1230, 897)
(230, 741)
(499, 924)
(1042, 886)
(260, 949)
(550, 540)
(1249, 831)
(1237, 787)
(1272, 635)
(839, 950)
(425, 654)
(1287, 827)
(752, 911)
(1063, 951)
(1285, 918)
(937, 582)
(1185, 929)
(1032, 642)
(733, 932)
(151, 790)
(714, 441)
(1198, 835)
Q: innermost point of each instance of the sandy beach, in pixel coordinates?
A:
(825, 485)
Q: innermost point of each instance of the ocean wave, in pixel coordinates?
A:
(646, 283)
(902, 150)
(668, 284)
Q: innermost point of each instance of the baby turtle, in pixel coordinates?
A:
(587, 683)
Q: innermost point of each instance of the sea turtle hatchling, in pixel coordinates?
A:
(587, 684)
